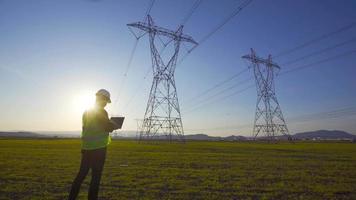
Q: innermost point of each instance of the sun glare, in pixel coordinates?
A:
(83, 101)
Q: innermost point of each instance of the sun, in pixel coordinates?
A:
(83, 101)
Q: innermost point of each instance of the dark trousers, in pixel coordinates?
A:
(94, 160)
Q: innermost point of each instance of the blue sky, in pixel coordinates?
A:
(52, 53)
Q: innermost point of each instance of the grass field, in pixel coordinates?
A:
(44, 169)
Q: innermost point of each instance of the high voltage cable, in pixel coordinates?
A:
(219, 84)
(191, 11)
(223, 98)
(348, 111)
(319, 52)
(316, 39)
(123, 80)
(149, 8)
(131, 57)
(147, 72)
(226, 20)
(320, 61)
(206, 37)
(221, 127)
(223, 91)
(217, 28)
(138, 89)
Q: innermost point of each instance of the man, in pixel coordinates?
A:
(95, 139)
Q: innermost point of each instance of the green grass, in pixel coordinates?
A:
(44, 169)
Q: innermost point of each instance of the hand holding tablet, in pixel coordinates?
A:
(117, 121)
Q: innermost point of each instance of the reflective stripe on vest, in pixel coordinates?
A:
(93, 138)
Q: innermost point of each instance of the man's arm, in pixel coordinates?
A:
(108, 125)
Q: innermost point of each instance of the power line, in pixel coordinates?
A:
(213, 31)
(223, 98)
(336, 113)
(150, 5)
(138, 89)
(191, 11)
(238, 9)
(123, 80)
(223, 91)
(316, 40)
(131, 56)
(221, 128)
(319, 51)
(319, 62)
(219, 84)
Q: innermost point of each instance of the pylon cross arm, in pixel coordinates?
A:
(256, 59)
(163, 31)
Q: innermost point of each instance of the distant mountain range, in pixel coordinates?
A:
(325, 134)
(312, 135)
(21, 134)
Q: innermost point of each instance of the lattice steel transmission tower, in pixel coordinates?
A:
(268, 118)
(162, 116)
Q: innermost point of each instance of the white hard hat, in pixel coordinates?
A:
(104, 93)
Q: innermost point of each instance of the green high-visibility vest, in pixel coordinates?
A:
(96, 128)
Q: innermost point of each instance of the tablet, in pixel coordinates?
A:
(118, 121)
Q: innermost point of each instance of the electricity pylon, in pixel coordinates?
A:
(162, 116)
(268, 117)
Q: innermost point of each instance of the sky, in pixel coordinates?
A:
(55, 54)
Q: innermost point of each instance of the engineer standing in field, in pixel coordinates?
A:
(95, 139)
